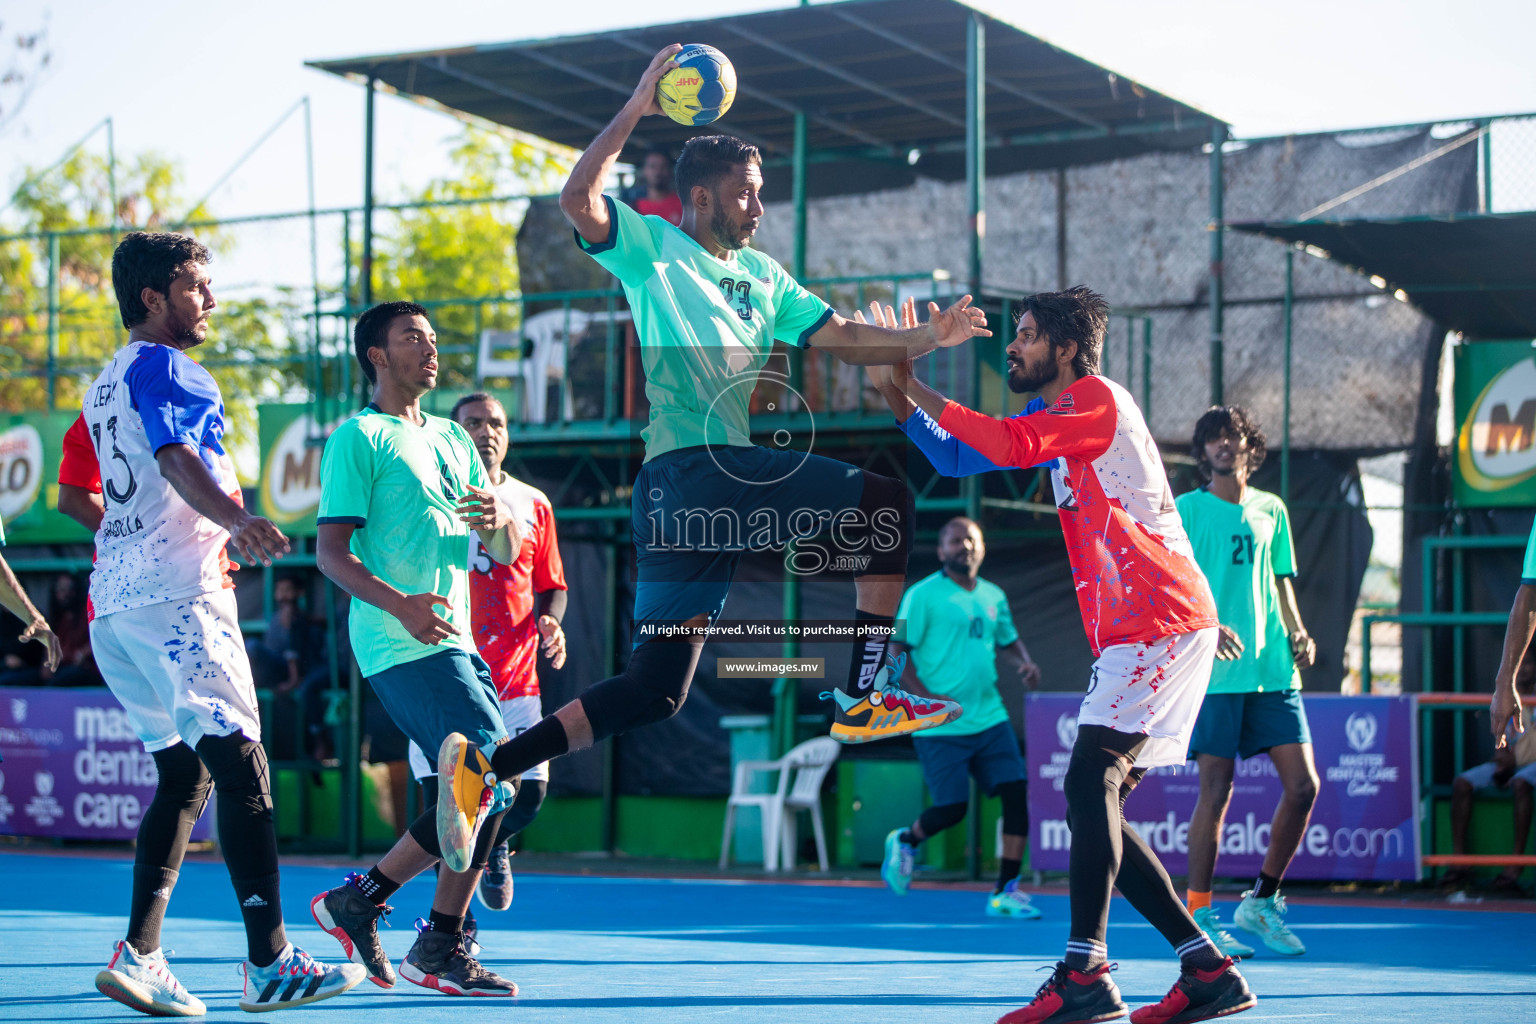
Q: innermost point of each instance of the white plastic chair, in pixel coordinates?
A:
(808, 763)
(551, 333)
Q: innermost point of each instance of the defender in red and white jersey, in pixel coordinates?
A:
(515, 611)
(1150, 618)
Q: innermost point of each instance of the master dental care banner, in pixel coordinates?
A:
(73, 767)
(1365, 825)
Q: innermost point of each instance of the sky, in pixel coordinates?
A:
(200, 82)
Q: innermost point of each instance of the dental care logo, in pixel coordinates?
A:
(6, 807)
(1066, 730)
(43, 808)
(18, 710)
(1360, 731)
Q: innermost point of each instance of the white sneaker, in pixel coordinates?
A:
(144, 982)
(293, 979)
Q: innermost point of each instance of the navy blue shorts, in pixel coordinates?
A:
(1233, 725)
(696, 511)
(991, 755)
(450, 690)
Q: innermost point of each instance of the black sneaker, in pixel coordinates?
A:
(1071, 997)
(1200, 995)
(471, 935)
(438, 961)
(495, 888)
(354, 920)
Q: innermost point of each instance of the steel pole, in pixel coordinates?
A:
(317, 377)
(1486, 145)
(1146, 368)
(801, 157)
(1285, 429)
(53, 319)
(1216, 227)
(975, 144)
(112, 177)
(365, 272)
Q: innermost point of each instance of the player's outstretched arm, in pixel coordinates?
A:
(1504, 708)
(13, 597)
(254, 539)
(581, 200)
(334, 557)
(860, 343)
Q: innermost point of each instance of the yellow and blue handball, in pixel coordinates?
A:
(700, 89)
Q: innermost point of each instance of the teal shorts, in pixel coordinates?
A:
(1233, 725)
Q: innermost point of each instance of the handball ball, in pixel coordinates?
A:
(700, 89)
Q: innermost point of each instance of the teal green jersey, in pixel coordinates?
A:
(1241, 549)
(398, 483)
(954, 635)
(706, 325)
(1528, 569)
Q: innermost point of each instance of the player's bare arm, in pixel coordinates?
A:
(83, 506)
(13, 597)
(1505, 712)
(1029, 672)
(488, 516)
(1229, 646)
(581, 200)
(860, 343)
(334, 557)
(254, 539)
(1303, 647)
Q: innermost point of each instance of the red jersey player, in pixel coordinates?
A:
(1150, 618)
(515, 611)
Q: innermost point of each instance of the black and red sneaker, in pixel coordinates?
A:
(1200, 995)
(1071, 997)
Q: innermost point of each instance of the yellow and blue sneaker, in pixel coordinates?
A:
(467, 789)
(1012, 902)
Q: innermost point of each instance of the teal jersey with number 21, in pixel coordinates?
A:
(706, 325)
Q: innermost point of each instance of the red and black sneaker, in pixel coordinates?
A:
(1071, 997)
(1200, 995)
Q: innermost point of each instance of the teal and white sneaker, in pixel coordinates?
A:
(1210, 923)
(1012, 902)
(1266, 919)
(293, 979)
(144, 982)
(896, 869)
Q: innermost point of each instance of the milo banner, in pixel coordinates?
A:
(1496, 417)
(290, 467)
(73, 767)
(1364, 827)
(30, 447)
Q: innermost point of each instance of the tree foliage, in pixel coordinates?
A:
(23, 62)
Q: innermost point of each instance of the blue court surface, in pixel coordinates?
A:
(643, 950)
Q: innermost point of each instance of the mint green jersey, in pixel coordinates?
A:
(398, 483)
(706, 325)
(1241, 549)
(1528, 568)
(954, 635)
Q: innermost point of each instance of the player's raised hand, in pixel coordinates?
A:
(645, 93)
(552, 641)
(256, 540)
(415, 612)
(480, 509)
(40, 631)
(958, 323)
(1229, 646)
(878, 374)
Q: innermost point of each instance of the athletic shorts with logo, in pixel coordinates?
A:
(518, 714)
(179, 669)
(1154, 689)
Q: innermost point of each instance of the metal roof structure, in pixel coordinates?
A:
(881, 84)
(1475, 274)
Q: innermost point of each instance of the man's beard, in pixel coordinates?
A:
(727, 235)
(186, 334)
(1022, 378)
(959, 565)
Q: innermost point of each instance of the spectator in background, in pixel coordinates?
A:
(654, 191)
(280, 656)
(72, 625)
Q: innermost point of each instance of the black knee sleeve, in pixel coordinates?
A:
(934, 820)
(489, 836)
(424, 830)
(651, 688)
(239, 770)
(1015, 798)
(888, 522)
(524, 809)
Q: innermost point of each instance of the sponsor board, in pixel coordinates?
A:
(30, 447)
(1495, 403)
(291, 444)
(73, 766)
(1365, 825)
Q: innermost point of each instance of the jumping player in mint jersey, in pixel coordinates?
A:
(708, 309)
(1242, 540)
(166, 633)
(400, 492)
(1150, 619)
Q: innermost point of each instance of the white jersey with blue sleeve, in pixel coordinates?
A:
(152, 546)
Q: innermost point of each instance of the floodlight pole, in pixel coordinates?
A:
(1217, 229)
(1285, 429)
(365, 272)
